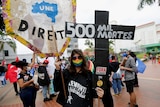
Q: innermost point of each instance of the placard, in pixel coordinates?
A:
(99, 31)
(39, 24)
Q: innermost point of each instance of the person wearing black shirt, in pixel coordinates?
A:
(28, 91)
(78, 91)
(2, 73)
(116, 77)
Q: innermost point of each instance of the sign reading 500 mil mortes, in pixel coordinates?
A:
(75, 30)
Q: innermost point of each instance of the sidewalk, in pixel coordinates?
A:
(4, 90)
(148, 94)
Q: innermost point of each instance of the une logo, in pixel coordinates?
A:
(46, 8)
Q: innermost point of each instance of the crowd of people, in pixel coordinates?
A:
(125, 69)
(71, 80)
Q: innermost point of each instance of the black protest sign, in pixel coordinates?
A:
(99, 31)
(101, 53)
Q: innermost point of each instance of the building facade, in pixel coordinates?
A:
(145, 34)
(72, 45)
(8, 54)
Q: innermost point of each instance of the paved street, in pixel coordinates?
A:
(148, 94)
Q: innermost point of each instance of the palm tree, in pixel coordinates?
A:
(147, 2)
(89, 43)
(110, 46)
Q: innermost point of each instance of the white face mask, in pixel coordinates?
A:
(63, 62)
(18, 70)
(26, 78)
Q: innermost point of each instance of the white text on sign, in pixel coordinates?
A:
(99, 31)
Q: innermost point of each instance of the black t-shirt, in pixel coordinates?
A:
(26, 77)
(2, 69)
(113, 66)
(43, 77)
(77, 89)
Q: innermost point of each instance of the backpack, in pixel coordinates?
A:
(117, 74)
(43, 77)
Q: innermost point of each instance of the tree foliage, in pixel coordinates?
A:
(111, 43)
(89, 43)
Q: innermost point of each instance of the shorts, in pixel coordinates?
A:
(130, 85)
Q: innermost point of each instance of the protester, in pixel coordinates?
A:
(77, 88)
(50, 69)
(159, 59)
(2, 74)
(153, 58)
(130, 69)
(28, 90)
(12, 74)
(136, 75)
(44, 80)
(116, 77)
(122, 71)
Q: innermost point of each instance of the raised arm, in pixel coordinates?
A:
(33, 60)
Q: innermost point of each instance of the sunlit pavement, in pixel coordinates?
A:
(148, 94)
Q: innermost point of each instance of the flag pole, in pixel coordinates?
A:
(58, 58)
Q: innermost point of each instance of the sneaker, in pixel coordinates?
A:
(52, 95)
(123, 87)
(136, 85)
(46, 99)
(115, 94)
(135, 105)
(1, 86)
(119, 93)
(17, 94)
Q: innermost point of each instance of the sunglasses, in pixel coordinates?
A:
(76, 57)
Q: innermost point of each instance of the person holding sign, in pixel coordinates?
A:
(76, 91)
(28, 90)
(130, 69)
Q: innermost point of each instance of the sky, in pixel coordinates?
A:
(121, 12)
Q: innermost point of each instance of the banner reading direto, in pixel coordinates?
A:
(77, 30)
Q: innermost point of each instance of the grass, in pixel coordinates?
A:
(140, 55)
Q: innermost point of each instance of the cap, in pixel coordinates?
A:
(21, 64)
(45, 61)
(124, 54)
(24, 60)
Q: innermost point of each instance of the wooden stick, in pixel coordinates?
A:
(58, 58)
